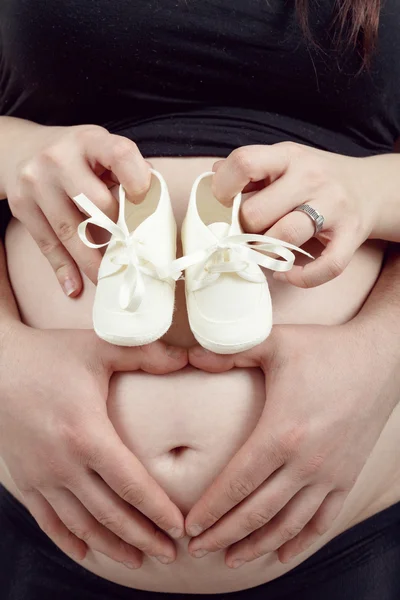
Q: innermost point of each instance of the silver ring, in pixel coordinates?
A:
(314, 215)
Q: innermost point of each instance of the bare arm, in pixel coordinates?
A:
(30, 392)
(14, 134)
(8, 306)
(326, 386)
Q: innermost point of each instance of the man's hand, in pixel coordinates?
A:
(79, 481)
(329, 395)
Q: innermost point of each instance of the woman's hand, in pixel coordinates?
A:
(77, 478)
(346, 191)
(324, 412)
(47, 166)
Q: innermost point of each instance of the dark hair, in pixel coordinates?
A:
(359, 19)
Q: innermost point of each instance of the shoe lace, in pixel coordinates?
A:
(234, 254)
(126, 252)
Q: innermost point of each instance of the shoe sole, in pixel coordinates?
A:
(130, 342)
(228, 349)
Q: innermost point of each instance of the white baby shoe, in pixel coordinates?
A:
(227, 293)
(134, 299)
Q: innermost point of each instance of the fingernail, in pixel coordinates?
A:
(69, 287)
(194, 530)
(131, 565)
(175, 533)
(237, 563)
(280, 277)
(199, 553)
(174, 352)
(165, 560)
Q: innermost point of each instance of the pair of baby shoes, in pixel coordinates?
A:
(227, 294)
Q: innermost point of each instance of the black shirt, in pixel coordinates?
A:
(199, 77)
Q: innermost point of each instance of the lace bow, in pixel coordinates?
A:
(126, 252)
(234, 253)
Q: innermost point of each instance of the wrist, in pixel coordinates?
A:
(381, 183)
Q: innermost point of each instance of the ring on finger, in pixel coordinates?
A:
(314, 215)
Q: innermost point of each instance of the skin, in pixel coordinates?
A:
(210, 510)
(358, 198)
(93, 491)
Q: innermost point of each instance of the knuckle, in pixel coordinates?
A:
(255, 521)
(48, 246)
(133, 494)
(292, 147)
(289, 233)
(257, 552)
(78, 441)
(83, 132)
(239, 489)
(311, 467)
(122, 148)
(113, 522)
(252, 215)
(335, 266)
(315, 173)
(65, 231)
(210, 516)
(242, 160)
(161, 521)
(29, 174)
(339, 194)
(53, 155)
(288, 531)
(290, 439)
(220, 543)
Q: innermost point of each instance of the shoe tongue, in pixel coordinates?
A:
(220, 230)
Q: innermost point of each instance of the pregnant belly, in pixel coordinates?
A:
(185, 427)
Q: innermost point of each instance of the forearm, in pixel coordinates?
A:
(8, 307)
(380, 315)
(382, 182)
(13, 132)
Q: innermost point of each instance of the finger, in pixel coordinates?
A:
(259, 356)
(318, 526)
(253, 186)
(58, 256)
(157, 358)
(65, 218)
(53, 527)
(255, 462)
(246, 165)
(263, 209)
(83, 526)
(121, 156)
(285, 526)
(295, 228)
(74, 176)
(118, 517)
(332, 262)
(124, 474)
(252, 514)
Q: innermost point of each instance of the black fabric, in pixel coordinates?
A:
(362, 563)
(199, 77)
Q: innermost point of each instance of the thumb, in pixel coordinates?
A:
(259, 356)
(156, 358)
